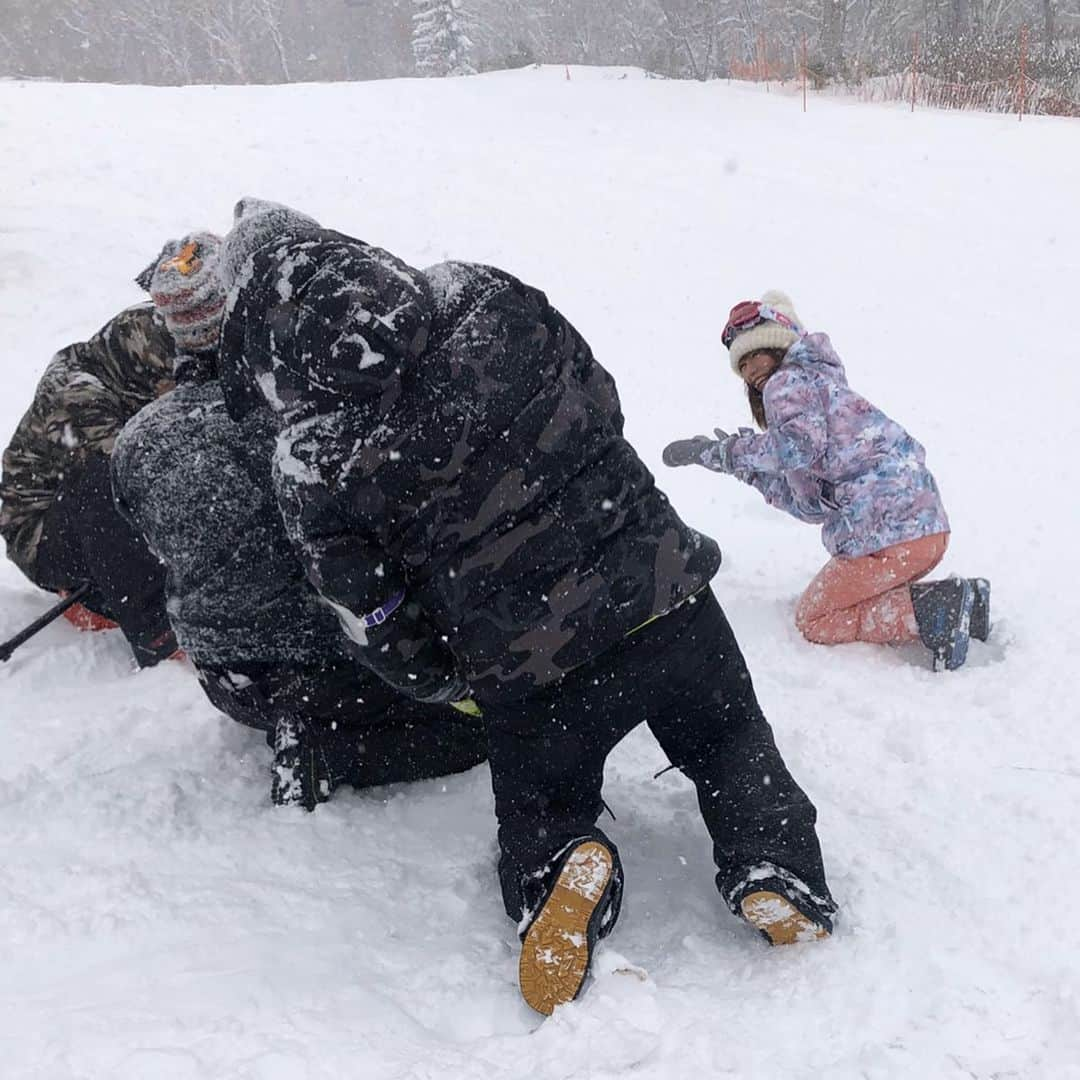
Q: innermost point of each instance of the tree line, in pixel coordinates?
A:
(170, 42)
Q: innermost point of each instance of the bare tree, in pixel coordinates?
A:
(694, 29)
(269, 13)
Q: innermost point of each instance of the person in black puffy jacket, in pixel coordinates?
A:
(451, 467)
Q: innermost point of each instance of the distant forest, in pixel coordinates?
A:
(170, 42)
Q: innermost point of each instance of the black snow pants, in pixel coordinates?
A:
(85, 539)
(686, 678)
(369, 733)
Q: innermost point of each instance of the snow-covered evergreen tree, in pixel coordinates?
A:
(440, 42)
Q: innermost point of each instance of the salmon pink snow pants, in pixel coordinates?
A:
(867, 598)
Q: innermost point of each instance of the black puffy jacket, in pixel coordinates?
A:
(447, 437)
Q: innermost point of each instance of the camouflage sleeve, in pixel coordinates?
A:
(31, 475)
(356, 577)
(88, 392)
(123, 367)
(596, 381)
(391, 635)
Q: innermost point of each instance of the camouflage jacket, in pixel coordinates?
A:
(447, 438)
(87, 394)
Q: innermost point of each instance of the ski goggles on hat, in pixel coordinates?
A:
(750, 313)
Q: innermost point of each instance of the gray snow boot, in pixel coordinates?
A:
(943, 615)
(980, 610)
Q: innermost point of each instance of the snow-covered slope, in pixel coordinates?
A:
(159, 921)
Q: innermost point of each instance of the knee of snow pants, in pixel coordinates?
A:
(713, 729)
(868, 598)
(684, 675)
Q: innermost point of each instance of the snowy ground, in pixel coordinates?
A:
(159, 921)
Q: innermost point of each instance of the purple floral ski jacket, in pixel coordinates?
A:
(829, 457)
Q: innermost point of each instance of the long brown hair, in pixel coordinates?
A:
(756, 398)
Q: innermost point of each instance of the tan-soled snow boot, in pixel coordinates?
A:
(557, 949)
(779, 919)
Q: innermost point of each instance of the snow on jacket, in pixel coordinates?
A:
(198, 487)
(448, 436)
(88, 392)
(830, 457)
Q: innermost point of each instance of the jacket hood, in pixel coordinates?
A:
(816, 353)
(256, 223)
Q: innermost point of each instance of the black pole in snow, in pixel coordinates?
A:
(54, 613)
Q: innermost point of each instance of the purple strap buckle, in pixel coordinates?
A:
(381, 614)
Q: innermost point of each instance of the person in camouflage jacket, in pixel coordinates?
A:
(451, 466)
(455, 421)
(56, 512)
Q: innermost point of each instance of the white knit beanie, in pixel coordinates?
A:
(766, 335)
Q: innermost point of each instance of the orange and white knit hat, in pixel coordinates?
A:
(186, 288)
